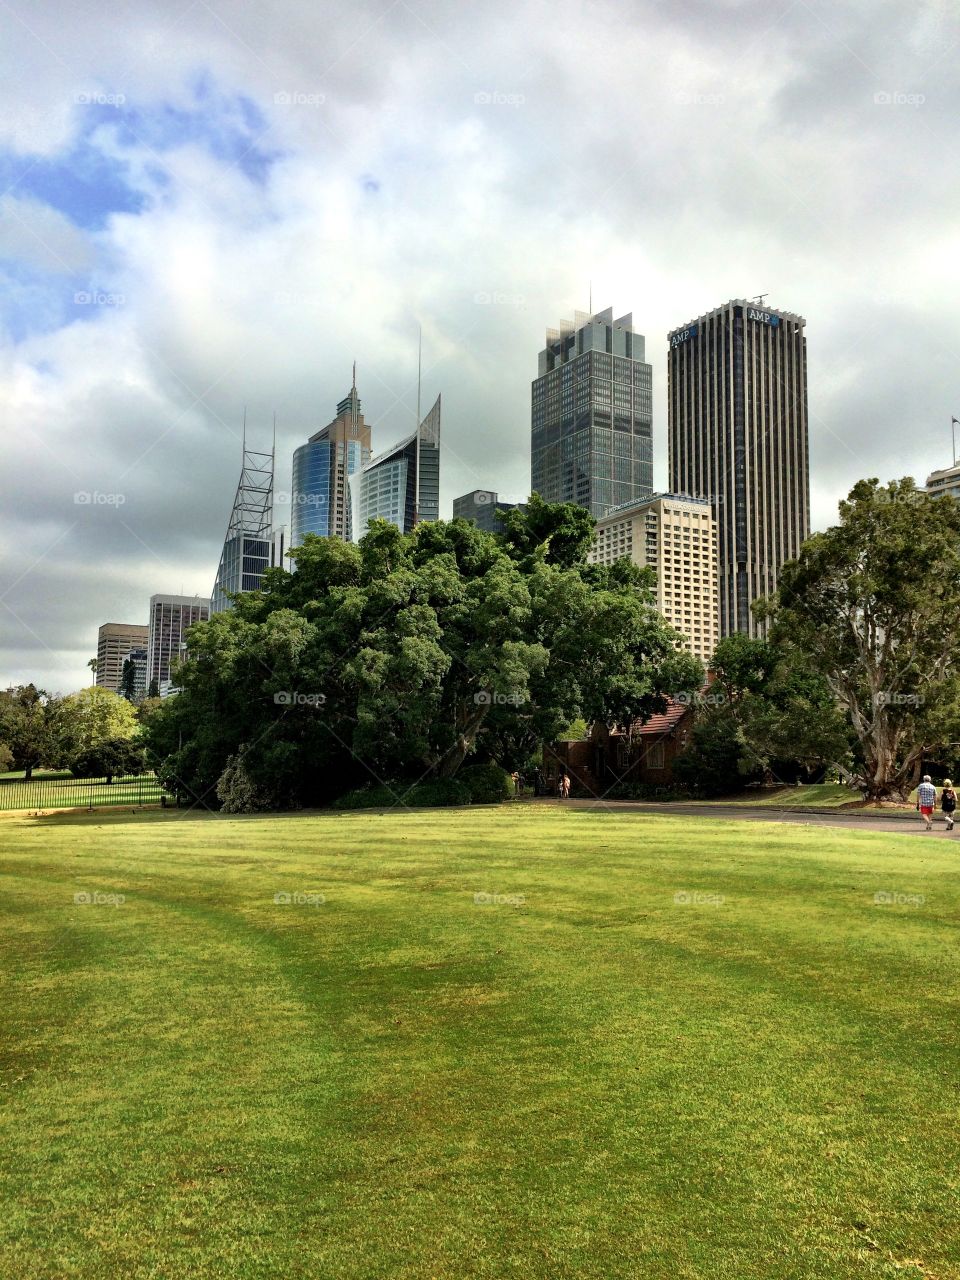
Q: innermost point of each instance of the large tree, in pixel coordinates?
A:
(27, 727)
(875, 603)
(404, 655)
(779, 709)
(86, 719)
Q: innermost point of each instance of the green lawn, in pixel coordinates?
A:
(817, 795)
(585, 1077)
(64, 791)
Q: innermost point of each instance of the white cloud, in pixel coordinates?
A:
(676, 159)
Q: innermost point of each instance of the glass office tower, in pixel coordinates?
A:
(592, 415)
(320, 494)
(402, 484)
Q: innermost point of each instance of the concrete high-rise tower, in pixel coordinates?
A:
(737, 409)
(592, 437)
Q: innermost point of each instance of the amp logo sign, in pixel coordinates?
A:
(682, 335)
(765, 317)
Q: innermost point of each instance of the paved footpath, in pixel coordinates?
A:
(906, 822)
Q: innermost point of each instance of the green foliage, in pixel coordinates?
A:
(6, 758)
(781, 710)
(153, 689)
(112, 757)
(28, 727)
(646, 791)
(407, 654)
(128, 680)
(439, 793)
(240, 791)
(872, 602)
(91, 717)
(716, 760)
(487, 783)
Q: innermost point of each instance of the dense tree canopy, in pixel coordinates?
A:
(405, 655)
(874, 602)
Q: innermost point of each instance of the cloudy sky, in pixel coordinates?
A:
(215, 206)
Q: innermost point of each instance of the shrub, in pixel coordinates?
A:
(114, 757)
(422, 795)
(6, 758)
(239, 792)
(487, 783)
(646, 791)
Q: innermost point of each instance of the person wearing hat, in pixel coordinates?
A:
(948, 802)
(926, 799)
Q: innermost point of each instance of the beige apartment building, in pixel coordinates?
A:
(677, 538)
(115, 642)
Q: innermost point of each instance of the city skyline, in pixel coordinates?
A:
(227, 211)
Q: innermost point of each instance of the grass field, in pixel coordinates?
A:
(63, 791)
(654, 1047)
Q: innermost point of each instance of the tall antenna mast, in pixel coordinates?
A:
(590, 304)
(416, 487)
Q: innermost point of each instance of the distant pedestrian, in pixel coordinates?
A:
(926, 799)
(948, 802)
(516, 782)
(538, 781)
(563, 784)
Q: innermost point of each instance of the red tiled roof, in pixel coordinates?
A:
(664, 722)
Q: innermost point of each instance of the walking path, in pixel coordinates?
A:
(905, 822)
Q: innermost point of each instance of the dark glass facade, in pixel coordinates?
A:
(738, 437)
(592, 415)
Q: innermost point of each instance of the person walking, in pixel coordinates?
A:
(926, 799)
(538, 781)
(948, 802)
(564, 783)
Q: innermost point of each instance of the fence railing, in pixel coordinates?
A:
(78, 793)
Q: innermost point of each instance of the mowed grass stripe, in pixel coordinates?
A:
(600, 1082)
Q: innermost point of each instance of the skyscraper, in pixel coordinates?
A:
(170, 617)
(115, 640)
(481, 506)
(320, 493)
(592, 436)
(250, 546)
(676, 537)
(402, 484)
(737, 397)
